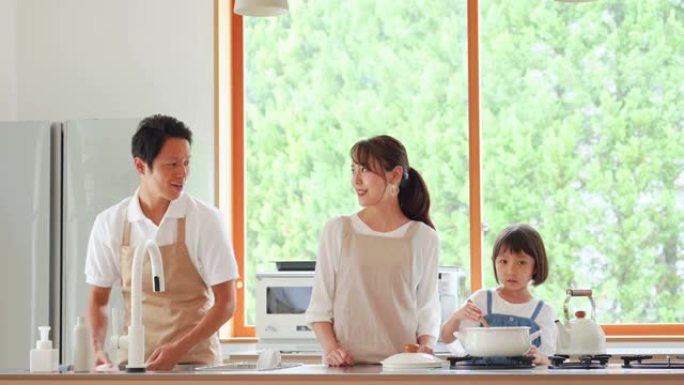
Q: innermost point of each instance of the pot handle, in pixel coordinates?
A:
(578, 293)
(534, 335)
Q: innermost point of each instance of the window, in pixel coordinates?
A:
(581, 116)
(321, 79)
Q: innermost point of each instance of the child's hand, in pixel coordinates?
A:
(539, 358)
(468, 312)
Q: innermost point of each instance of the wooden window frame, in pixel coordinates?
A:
(615, 332)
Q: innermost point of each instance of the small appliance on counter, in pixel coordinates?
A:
(282, 298)
(295, 265)
(451, 288)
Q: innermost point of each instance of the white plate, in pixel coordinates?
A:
(412, 361)
(413, 366)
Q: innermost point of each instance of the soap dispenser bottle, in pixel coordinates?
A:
(81, 349)
(44, 358)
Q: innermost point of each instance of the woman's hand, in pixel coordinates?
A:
(539, 358)
(338, 357)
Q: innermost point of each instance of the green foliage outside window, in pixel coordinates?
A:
(582, 116)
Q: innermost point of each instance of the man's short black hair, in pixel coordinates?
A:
(153, 132)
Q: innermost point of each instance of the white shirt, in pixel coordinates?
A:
(206, 237)
(546, 318)
(426, 252)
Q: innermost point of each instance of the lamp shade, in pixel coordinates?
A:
(261, 7)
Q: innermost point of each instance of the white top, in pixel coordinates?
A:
(426, 251)
(546, 318)
(206, 237)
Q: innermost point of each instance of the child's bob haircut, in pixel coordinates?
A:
(525, 238)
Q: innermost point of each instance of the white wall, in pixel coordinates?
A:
(78, 59)
(8, 97)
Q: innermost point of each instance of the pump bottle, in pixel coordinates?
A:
(44, 358)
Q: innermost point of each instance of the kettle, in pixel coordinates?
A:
(580, 336)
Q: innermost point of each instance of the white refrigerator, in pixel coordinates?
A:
(56, 177)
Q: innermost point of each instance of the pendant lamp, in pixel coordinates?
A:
(261, 7)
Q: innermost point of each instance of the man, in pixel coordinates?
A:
(180, 323)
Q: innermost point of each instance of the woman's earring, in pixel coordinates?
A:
(393, 190)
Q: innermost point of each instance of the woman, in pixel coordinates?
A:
(375, 287)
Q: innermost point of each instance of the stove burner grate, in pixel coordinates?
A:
(634, 362)
(596, 361)
(489, 363)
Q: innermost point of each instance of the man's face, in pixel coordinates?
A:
(169, 170)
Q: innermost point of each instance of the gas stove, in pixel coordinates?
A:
(490, 363)
(596, 361)
(636, 362)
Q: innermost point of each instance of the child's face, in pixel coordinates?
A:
(514, 270)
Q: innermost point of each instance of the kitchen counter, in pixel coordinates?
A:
(367, 374)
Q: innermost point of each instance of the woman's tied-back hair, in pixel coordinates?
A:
(523, 238)
(382, 154)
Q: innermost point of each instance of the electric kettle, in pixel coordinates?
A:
(580, 336)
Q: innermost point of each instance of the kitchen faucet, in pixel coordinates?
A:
(135, 340)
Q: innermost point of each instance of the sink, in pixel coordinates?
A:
(187, 367)
(243, 366)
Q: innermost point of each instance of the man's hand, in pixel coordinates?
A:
(165, 357)
(101, 357)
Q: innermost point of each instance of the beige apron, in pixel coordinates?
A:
(374, 309)
(169, 315)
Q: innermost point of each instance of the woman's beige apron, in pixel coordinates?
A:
(374, 306)
(169, 315)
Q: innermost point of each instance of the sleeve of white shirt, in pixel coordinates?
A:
(546, 321)
(321, 304)
(216, 256)
(427, 297)
(101, 268)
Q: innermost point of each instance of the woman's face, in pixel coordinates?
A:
(370, 187)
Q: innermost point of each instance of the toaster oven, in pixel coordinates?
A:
(281, 302)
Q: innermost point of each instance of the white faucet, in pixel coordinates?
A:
(135, 340)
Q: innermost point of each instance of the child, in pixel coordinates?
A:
(519, 258)
(375, 286)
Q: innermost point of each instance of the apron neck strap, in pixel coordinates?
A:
(126, 231)
(181, 230)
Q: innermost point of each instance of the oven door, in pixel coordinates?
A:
(281, 301)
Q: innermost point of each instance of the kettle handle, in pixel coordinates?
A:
(578, 293)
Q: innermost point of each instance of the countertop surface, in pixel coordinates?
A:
(371, 370)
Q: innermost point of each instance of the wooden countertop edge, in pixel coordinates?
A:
(649, 378)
